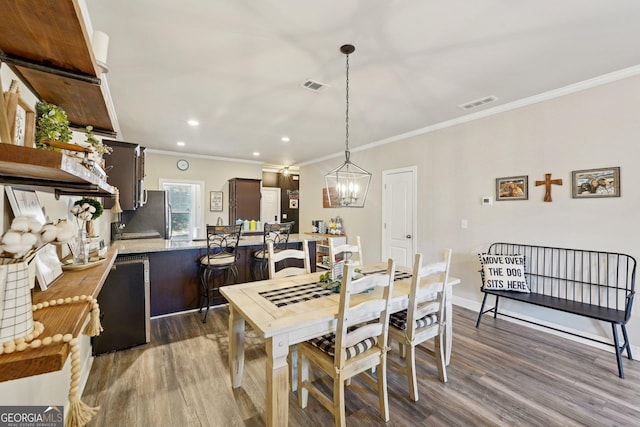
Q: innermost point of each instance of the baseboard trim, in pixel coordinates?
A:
(475, 306)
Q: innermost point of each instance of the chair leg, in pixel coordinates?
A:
(411, 372)
(207, 275)
(627, 345)
(402, 349)
(440, 356)
(339, 411)
(381, 374)
(616, 342)
(203, 290)
(303, 375)
(484, 300)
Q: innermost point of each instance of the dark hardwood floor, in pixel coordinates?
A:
(502, 374)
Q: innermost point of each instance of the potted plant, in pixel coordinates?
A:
(52, 124)
(86, 210)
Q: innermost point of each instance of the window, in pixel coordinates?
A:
(185, 199)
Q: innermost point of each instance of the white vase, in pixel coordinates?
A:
(16, 310)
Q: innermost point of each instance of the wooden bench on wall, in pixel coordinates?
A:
(594, 284)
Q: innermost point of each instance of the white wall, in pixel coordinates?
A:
(215, 172)
(594, 128)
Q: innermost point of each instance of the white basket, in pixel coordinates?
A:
(16, 310)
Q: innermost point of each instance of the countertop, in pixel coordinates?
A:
(127, 247)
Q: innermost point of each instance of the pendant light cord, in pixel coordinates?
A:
(347, 153)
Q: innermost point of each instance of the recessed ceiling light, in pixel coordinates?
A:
(285, 139)
(256, 153)
(180, 143)
(193, 122)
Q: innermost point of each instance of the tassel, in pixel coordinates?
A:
(116, 206)
(79, 412)
(94, 327)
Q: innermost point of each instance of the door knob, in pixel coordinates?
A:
(408, 236)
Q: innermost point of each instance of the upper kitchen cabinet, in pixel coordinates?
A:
(48, 45)
(244, 199)
(125, 170)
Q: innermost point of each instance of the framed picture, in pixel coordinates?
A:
(329, 199)
(512, 188)
(589, 183)
(25, 202)
(20, 117)
(48, 267)
(216, 201)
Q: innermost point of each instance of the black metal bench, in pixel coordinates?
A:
(598, 285)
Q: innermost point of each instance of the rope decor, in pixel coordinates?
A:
(79, 412)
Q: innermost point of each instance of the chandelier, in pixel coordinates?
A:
(347, 185)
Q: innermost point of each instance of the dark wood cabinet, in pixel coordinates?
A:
(244, 199)
(125, 170)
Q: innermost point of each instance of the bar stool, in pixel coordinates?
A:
(278, 234)
(221, 257)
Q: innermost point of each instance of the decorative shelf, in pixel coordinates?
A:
(44, 168)
(48, 46)
(66, 319)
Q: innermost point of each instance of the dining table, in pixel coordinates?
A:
(286, 311)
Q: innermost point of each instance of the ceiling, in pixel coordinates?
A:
(237, 66)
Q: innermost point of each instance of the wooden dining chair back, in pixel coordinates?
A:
(358, 346)
(281, 264)
(424, 319)
(221, 256)
(345, 252)
(276, 233)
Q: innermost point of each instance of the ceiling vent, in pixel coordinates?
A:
(314, 86)
(478, 102)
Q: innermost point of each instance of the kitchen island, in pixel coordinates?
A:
(174, 268)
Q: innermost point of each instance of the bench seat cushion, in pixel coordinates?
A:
(574, 307)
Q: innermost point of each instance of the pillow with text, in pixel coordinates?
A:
(503, 272)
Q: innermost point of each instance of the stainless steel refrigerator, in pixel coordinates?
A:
(152, 220)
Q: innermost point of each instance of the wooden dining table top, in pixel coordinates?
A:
(269, 319)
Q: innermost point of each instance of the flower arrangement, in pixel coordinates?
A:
(334, 283)
(26, 236)
(95, 144)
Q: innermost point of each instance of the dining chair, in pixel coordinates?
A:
(278, 267)
(221, 257)
(280, 262)
(278, 233)
(358, 346)
(422, 320)
(345, 251)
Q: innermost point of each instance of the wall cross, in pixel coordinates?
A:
(547, 183)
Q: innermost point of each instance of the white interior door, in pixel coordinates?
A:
(270, 205)
(399, 223)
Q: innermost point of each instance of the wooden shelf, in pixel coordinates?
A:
(43, 168)
(47, 44)
(67, 319)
